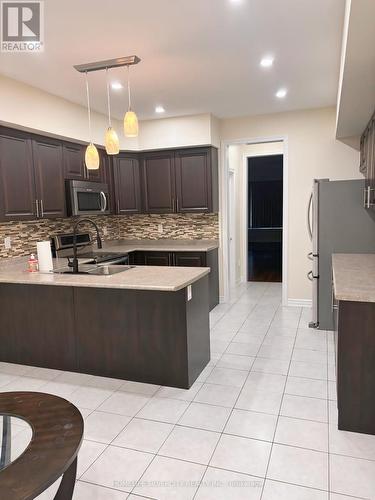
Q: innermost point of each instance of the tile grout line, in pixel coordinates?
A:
(278, 416)
(231, 411)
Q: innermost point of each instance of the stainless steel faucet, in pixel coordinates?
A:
(98, 240)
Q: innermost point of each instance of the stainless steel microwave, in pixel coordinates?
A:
(87, 198)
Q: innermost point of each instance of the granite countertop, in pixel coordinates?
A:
(354, 277)
(169, 279)
(160, 245)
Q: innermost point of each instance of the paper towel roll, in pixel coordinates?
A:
(44, 256)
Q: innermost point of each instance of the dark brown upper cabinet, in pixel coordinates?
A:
(367, 162)
(74, 161)
(127, 184)
(184, 180)
(194, 180)
(17, 184)
(49, 177)
(158, 182)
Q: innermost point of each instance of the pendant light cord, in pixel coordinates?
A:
(88, 105)
(130, 107)
(108, 100)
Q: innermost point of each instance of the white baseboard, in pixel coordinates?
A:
(299, 303)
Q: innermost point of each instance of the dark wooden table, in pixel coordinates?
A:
(57, 428)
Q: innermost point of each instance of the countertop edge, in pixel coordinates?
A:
(359, 276)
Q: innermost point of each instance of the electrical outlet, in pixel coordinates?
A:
(7, 243)
(160, 228)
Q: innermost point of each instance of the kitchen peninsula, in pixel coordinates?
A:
(147, 324)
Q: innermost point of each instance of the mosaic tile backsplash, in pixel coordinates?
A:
(24, 235)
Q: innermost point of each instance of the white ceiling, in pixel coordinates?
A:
(197, 56)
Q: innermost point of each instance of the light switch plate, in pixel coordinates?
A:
(189, 292)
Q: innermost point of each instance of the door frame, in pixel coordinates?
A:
(232, 246)
(225, 217)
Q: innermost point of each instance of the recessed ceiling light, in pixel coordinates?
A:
(159, 109)
(266, 62)
(116, 85)
(281, 93)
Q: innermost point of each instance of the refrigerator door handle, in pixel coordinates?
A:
(310, 256)
(309, 210)
(310, 276)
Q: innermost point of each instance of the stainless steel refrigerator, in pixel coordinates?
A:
(337, 222)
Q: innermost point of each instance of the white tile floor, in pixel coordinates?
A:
(259, 423)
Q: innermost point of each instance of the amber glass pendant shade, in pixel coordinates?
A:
(130, 124)
(112, 145)
(92, 157)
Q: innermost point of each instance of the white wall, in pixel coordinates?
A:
(179, 131)
(313, 152)
(30, 108)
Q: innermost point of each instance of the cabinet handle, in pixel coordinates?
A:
(118, 206)
(37, 209)
(41, 208)
(365, 197)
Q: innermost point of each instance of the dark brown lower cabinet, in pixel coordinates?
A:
(37, 326)
(355, 365)
(184, 259)
(155, 337)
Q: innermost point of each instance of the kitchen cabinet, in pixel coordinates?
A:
(17, 184)
(74, 161)
(189, 259)
(367, 162)
(196, 180)
(49, 177)
(183, 259)
(127, 184)
(158, 259)
(180, 181)
(355, 362)
(158, 182)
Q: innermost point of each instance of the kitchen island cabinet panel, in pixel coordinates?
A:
(37, 326)
(150, 336)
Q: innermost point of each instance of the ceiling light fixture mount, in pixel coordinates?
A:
(130, 119)
(159, 109)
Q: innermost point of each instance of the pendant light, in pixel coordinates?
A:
(111, 141)
(130, 119)
(91, 154)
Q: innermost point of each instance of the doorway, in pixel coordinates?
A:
(235, 155)
(265, 218)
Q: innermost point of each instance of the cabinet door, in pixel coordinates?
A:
(158, 182)
(189, 259)
(49, 177)
(127, 184)
(74, 161)
(193, 180)
(158, 259)
(17, 184)
(99, 174)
